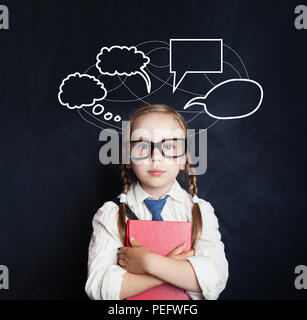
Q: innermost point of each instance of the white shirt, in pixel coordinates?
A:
(209, 262)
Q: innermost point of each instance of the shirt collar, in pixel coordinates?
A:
(138, 194)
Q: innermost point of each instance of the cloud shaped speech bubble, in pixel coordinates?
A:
(195, 56)
(80, 90)
(123, 61)
(227, 95)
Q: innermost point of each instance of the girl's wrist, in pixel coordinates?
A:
(149, 261)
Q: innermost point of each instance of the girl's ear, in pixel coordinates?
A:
(128, 166)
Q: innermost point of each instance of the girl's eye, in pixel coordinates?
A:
(143, 146)
(170, 146)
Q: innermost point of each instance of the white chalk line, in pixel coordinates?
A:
(135, 95)
(109, 90)
(164, 82)
(135, 100)
(152, 41)
(94, 123)
(170, 85)
(238, 57)
(112, 125)
(153, 50)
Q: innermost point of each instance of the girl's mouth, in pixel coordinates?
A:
(156, 173)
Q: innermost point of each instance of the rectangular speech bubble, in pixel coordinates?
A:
(195, 56)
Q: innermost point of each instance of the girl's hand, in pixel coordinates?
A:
(175, 254)
(134, 259)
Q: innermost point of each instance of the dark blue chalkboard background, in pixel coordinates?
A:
(52, 181)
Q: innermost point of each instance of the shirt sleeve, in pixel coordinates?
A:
(104, 276)
(209, 262)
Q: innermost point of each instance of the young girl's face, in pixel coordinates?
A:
(156, 127)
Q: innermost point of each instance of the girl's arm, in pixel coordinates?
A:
(202, 276)
(133, 284)
(160, 269)
(178, 273)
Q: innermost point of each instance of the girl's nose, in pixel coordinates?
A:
(156, 154)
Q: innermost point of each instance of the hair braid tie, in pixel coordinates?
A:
(195, 199)
(123, 198)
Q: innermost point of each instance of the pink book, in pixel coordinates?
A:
(160, 237)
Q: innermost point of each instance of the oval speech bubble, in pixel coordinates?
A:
(212, 91)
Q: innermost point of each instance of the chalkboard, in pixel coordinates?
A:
(52, 181)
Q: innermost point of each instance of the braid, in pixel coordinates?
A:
(122, 207)
(192, 184)
(196, 213)
(126, 179)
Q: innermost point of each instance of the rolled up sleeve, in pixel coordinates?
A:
(209, 262)
(104, 276)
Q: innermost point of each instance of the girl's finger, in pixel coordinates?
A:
(122, 249)
(124, 267)
(188, 254)
(122, 262)
(134, 243)
(183, 245)
(180, 248)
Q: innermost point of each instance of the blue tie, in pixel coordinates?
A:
(156, 206)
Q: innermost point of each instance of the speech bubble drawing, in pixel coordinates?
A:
(80, 90)
(194, 56)
(223, 85)
(123, 61)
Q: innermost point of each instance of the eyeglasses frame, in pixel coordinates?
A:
(159, 146)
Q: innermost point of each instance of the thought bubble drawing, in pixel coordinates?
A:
(123, 61)
(229, 96)
(81, 90)
(98, 109)
(194, 56)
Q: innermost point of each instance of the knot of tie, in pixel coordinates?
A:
(156, 207)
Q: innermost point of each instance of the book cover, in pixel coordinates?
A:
(160, 237)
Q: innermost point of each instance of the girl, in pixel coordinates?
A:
(116, 272)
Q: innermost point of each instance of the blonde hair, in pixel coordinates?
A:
(130, 178)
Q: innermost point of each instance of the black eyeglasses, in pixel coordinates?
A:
(169, 148)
